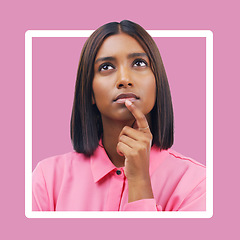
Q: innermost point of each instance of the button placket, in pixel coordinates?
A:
(115, 190)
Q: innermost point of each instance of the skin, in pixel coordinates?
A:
(122, 66)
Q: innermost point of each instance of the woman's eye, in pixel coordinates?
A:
(140, 63)
(105, 67)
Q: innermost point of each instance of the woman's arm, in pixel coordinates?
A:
(135, 145)
(40, 199)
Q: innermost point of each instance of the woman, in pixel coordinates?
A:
(122, 131)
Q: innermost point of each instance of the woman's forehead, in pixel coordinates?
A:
(119, 43)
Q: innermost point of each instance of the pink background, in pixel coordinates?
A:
(20, 16)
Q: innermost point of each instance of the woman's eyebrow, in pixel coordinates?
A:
(132, 55)
(104, 59)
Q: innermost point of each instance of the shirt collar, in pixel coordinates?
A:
(101, 165)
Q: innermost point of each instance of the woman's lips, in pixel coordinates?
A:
(121, 98)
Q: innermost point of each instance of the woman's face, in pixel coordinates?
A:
(122, 71)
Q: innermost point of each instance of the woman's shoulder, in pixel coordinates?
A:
(175, 156)
(61, 161)
(173, 162)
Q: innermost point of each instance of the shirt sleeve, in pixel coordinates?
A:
(196, 200)
(40, 199)
(143, 205)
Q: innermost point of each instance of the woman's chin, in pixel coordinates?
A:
(124, 116)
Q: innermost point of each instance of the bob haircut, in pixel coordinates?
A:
(86, 123)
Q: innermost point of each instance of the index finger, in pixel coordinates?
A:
(139, 116)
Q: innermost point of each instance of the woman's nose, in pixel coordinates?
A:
(124, 79)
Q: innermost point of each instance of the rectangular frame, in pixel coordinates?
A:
(121, 214)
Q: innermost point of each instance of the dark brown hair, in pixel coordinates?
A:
(86, 124)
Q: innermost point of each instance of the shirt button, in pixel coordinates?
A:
(118, 172)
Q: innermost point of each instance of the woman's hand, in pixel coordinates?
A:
(135, 145)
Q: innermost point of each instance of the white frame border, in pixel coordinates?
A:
(121, 214)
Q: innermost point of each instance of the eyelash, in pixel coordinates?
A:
(109, 64)
(104, 65)
(140, 60)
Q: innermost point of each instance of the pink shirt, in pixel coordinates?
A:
(72, 182)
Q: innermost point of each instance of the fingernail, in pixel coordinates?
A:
(128, 103)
